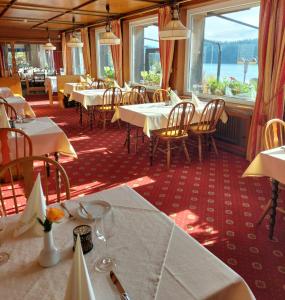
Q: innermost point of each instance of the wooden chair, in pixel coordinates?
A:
(19, 146)
(274, 136)
(178, 124)
(207, 123)
(140, 89)
(33, 88)
(19, 188)
(14, 83)
(111, 99)
(132, 97)
(10, 110)
(101, 84)
(160, 95)
(3, 100)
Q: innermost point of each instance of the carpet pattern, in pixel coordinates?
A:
(209, 200)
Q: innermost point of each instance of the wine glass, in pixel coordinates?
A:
(20, 116)
(104, 232)
(4, 256)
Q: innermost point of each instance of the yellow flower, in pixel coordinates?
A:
(54, 214)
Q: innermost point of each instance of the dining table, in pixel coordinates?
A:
(46, 137)
(21, 106)
(149, 117)
(269, 163)
(155, 259)
(50, 87)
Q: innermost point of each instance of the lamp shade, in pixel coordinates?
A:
(174, 30)
(74, 42)
(109, 38)
(49, 46)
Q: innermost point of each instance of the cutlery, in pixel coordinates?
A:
(118, 285)
(62, 204)
(86, 211)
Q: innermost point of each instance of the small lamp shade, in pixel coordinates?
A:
(174, 30)
(74, 42)
(49, 47)
(109, 38)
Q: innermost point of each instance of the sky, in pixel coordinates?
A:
(232, 31)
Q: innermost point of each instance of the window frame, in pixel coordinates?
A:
(141, 21)
(205, 9)
(99, 30)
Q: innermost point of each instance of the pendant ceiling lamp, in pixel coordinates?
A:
(74, 41)
(108, 37)
(174, 29)
(49, 46)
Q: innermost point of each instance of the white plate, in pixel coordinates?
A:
(97, 209)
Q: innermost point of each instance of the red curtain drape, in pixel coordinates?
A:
(58, 63)
(166, 48)
(271, 63)
(117, 52)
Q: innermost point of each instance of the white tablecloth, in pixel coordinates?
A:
(88, 97)
(155, 259)
(51, 84)
(47, 137)
(270, 163)
(73, 86)
(149, 116)
(20, 105)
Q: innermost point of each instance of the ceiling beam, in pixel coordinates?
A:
(66, 12)
(10, 4)
(37, 20)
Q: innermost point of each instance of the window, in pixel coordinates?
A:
(105, 67)
(77, 61)
(223, 51)
(144, 49)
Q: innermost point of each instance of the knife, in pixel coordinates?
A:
(117, 283)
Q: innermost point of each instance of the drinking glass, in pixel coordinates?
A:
(4, 256)
(104, 232)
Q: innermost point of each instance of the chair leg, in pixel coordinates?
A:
(156, 144)
(265, 212)
(186, 151)
(104, 120)
(168, 155)
(214, 145)
(200, 147)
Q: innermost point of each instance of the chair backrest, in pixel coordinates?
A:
(140, 89)
(130, 98)
(3, 100)
(274, 133)
(10, 110)
(112, 97)
(211, 115)
(63, 79)
(179, 119)
(19, 176)
(17, 142)
(101, 84)
(13, 83)
(160, 95)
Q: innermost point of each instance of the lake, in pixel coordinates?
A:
(231, 70)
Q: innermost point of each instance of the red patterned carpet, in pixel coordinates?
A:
(209, 200)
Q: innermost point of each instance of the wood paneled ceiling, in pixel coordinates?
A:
(57, 14)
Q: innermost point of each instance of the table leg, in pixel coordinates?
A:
(275, 191)
(90, 114)
(47, 167)
(129, 137)
(80, 114)
(58, 178)
(151, 142)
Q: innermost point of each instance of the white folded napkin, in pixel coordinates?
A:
(89, 80)
(116, 84)
(196, 101)
(174, 99)
(127, 88)
(36, 208)
(79, 285)
(4, 120)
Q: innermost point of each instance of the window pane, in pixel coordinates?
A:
(106, 62)
(224, 53)
(146, 68)
(77, 61)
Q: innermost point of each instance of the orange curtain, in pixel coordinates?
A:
(117, 53)
(166, 48)
(66, 55)
(2, 63)
(86, 50)
(271, 63)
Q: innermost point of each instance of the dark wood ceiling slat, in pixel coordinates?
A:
(10, 4)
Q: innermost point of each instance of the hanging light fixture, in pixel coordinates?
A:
(74, 41)
(49, 46)
(108, 37)
(174, 29)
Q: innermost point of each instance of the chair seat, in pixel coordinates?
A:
(105, 108)
(170, 134)
(195, 129)
(61, 91)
